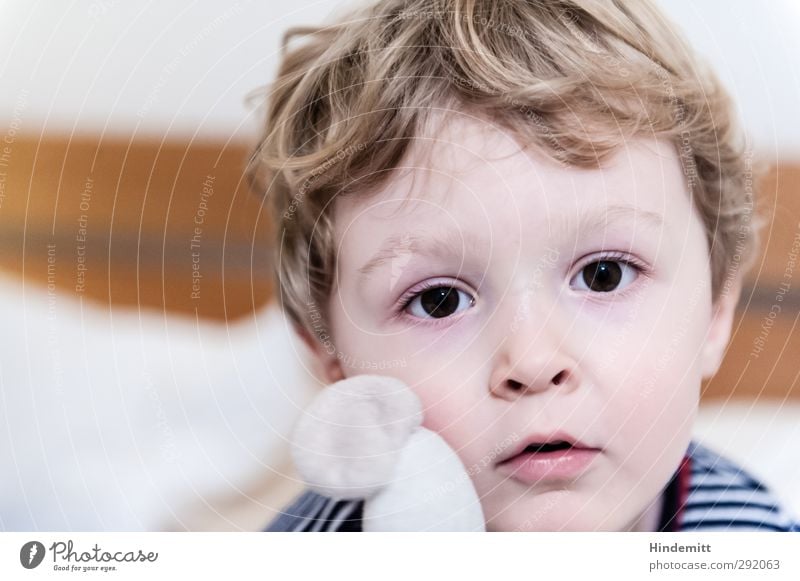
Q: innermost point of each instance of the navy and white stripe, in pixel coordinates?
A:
(312, 512)
(708, 493)
(724, 497)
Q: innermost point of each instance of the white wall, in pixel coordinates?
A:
(755, 48)
(145, 66)
(186, 67)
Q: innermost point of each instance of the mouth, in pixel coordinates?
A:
(537, 448)
(545, 444)
(556, 457)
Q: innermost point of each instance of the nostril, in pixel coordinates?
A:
(514, 384)
(560, 376)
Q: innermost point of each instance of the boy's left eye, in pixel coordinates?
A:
(605, 276)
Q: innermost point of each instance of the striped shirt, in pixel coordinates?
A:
(707, 493)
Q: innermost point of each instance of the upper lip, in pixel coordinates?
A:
(544, 438)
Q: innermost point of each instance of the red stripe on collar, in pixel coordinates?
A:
(684, 477)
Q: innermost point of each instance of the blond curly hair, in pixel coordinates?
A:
(573, 79)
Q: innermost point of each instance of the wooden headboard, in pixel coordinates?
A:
(763, 357)
(137, 223)
(132, 222)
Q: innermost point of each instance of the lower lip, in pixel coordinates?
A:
(557, 465)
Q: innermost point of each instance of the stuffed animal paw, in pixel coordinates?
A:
(362, 437)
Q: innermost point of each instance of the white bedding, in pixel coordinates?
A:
(140, 422)
(125, 422)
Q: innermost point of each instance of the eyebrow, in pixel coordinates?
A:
(616, 213)
(454, 242)
(451, 243)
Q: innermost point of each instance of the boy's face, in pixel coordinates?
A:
(578, 308)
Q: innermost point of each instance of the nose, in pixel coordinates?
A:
(534, 359)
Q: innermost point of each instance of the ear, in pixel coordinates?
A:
(329, 367)
(719, 330)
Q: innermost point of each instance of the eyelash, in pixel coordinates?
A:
(405, 300)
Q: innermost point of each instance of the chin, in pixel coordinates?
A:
(557, 510)
(556, 523)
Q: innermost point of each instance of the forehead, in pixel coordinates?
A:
(467, 175)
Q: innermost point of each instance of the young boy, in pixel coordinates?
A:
(528, 212)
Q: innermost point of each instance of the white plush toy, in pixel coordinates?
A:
(362, 437)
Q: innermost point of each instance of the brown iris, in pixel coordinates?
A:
(440, 302)
(602, 276)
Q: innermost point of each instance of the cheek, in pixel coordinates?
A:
(453, 409)
(448, 406)
(460, 432)
(437, 372)
(443, 391)
(657, 394)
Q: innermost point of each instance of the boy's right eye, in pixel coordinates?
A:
(437, 301)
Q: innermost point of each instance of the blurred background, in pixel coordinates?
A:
(147, 381)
